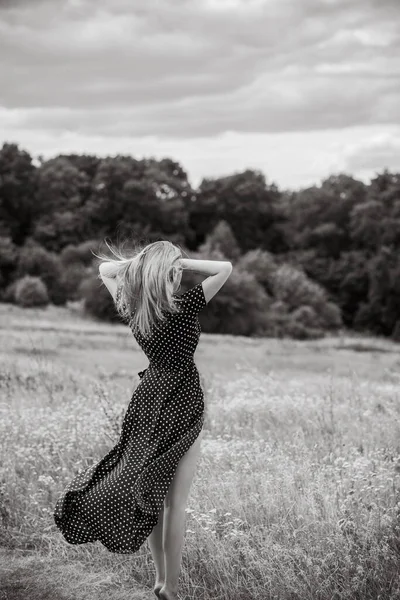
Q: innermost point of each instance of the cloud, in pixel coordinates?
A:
(181, 68)
(296, 88)
(381, 151)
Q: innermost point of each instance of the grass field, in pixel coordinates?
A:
(296, 493)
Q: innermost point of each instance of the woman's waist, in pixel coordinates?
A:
(169, 367)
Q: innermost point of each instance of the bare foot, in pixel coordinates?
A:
(167, 595)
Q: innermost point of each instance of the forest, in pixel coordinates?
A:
(306, 262)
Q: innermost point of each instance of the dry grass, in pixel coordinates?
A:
(296, 494)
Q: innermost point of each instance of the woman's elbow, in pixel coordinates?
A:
(229, 266)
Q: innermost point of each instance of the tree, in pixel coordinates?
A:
(348, 282)
(382, 311)
(97, 300)
(222, 239)
(36, 261)
(8, 260)
(18, 193)
(247, 204)
(260, 263)
(239, 308)
(83, 163)
(62, 193)
(292, 287)
(366, 224)
(136, 199)
(320, 216)
(77, 266)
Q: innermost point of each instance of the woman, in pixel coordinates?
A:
(139, 490)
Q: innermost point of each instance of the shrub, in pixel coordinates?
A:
(241, 305)
(279, 308)
(223, 240)
(80, 254)
(31, 291)
(97, 300)
(239, 308)
(330, 316)
(8, 295)
(8, 260)
(305, 315)
(73, 276)
(396, 332)
(261, 264)
(8, 253)
(292, 287)
(299, 331)
(38, 262)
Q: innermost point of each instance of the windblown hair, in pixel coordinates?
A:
(147, 279)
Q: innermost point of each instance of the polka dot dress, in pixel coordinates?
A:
(118, 500)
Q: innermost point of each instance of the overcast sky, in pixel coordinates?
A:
(299, 89)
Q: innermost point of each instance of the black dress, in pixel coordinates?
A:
(118, 500)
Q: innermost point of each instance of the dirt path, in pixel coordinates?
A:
(32, 576)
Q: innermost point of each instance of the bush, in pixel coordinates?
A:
(223, 240)
(292, 286)
(330, 316)
(8, 260)
(279, 308)
(306, 300)
(31, 291)
(80, 254)
(38, 262)
(241, 305)
(301, 324)
(299, 331)
(97, 300)
(73, 277)
(239, 308)
(8, 295)
(8, 253)
(261, 264)
(305, 315)
(78, 264)
(396, 332)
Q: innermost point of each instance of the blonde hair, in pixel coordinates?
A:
(147, 278)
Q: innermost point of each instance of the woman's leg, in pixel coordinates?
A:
(175, 516)
(155, 541)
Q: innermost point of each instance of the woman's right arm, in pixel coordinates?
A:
(217, 270)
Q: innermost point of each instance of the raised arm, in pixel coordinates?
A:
(218, 271)
(108, 271)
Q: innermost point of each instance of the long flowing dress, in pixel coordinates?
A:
(118, 500)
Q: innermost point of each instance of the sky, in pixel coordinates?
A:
(299, 89)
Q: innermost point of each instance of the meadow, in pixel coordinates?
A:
(297, 490)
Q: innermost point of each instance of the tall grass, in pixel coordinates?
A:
(296, 493)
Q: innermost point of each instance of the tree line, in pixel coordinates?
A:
(306, 262)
